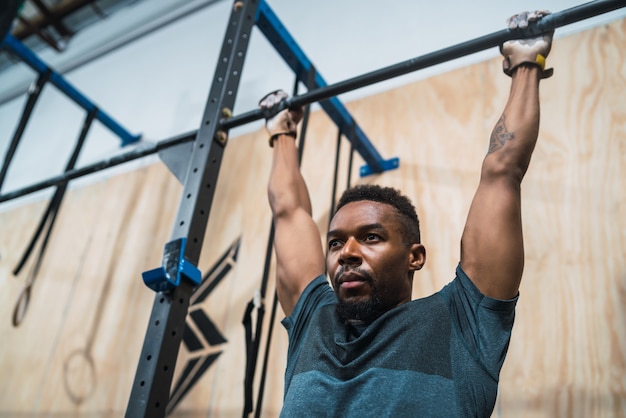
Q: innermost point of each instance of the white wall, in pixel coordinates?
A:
(157, 86)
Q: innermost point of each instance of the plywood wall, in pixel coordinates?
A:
(76, 351)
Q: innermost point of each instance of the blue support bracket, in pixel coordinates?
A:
(167, 277)
(276, 33)
(34, 62)
(390, 164)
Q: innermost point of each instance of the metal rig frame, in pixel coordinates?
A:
(11, 44)
(176, 280)
(150, 391)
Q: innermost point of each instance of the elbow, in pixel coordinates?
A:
(498, 167)
(281, 202)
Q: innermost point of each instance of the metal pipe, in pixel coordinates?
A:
(139, 152)
(550, 22)
(33, 97)
(31, 59)
(546, 24)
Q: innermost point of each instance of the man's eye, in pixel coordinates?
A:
(371, 237)
(333, 243)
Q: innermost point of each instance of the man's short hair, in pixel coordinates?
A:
(392, 197)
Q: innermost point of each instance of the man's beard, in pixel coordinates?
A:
(364, 311)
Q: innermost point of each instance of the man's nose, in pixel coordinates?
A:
(350, 252)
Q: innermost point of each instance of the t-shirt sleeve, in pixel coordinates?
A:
(484, 323)
(317, 294)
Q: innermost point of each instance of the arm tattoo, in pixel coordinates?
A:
(499, 136)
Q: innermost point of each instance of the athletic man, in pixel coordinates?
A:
(362, 347)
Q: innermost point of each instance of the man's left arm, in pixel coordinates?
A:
(492, 248)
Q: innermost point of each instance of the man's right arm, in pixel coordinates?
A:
(297, 243)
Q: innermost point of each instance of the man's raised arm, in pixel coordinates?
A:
(492, 249)
(299, 253)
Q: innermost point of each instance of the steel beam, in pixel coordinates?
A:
(151, 388)
(546, 24)
(277, 34)
(34, 62)
(139, 152)
(552, 21)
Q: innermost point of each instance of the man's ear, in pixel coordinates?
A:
(417, 257)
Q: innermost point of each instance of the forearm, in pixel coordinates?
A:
(287, 190)
(492, 249)
(299, 254)
(514, 137)
(492, 245)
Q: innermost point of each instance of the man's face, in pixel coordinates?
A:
(367, 260)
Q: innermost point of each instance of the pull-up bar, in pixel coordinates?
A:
(176, 282)
(546, 24)
(140, 151)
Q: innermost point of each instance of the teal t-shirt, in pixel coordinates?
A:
(438, 356)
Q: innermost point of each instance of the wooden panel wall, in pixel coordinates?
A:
(75, 354)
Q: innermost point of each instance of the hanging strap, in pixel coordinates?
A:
(253, 339)
(351, 158)
(33, 95)
(47, 221)
(333, 196)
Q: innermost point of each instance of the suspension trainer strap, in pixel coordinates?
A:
(55, 202)
(252, 340)
(333, 196)
(33, 96)
(351, 159)
(250, 359)
(48, 219)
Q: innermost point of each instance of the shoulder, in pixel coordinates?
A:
(317, 294)
(462, 291)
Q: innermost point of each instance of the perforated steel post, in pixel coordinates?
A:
(151, 388)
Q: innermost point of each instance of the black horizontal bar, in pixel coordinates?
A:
(286, 46)
(139, 152)
(546, 24)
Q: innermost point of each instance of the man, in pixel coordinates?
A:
(362, 347)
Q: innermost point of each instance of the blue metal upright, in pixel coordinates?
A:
(151, 388)
(276, 33)
(34, 62)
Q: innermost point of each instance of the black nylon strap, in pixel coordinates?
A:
(333, 196)
(47, 221)
(55, 202)
(33, 96)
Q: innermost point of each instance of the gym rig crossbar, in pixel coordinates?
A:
(11, 44)
(177, 277)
